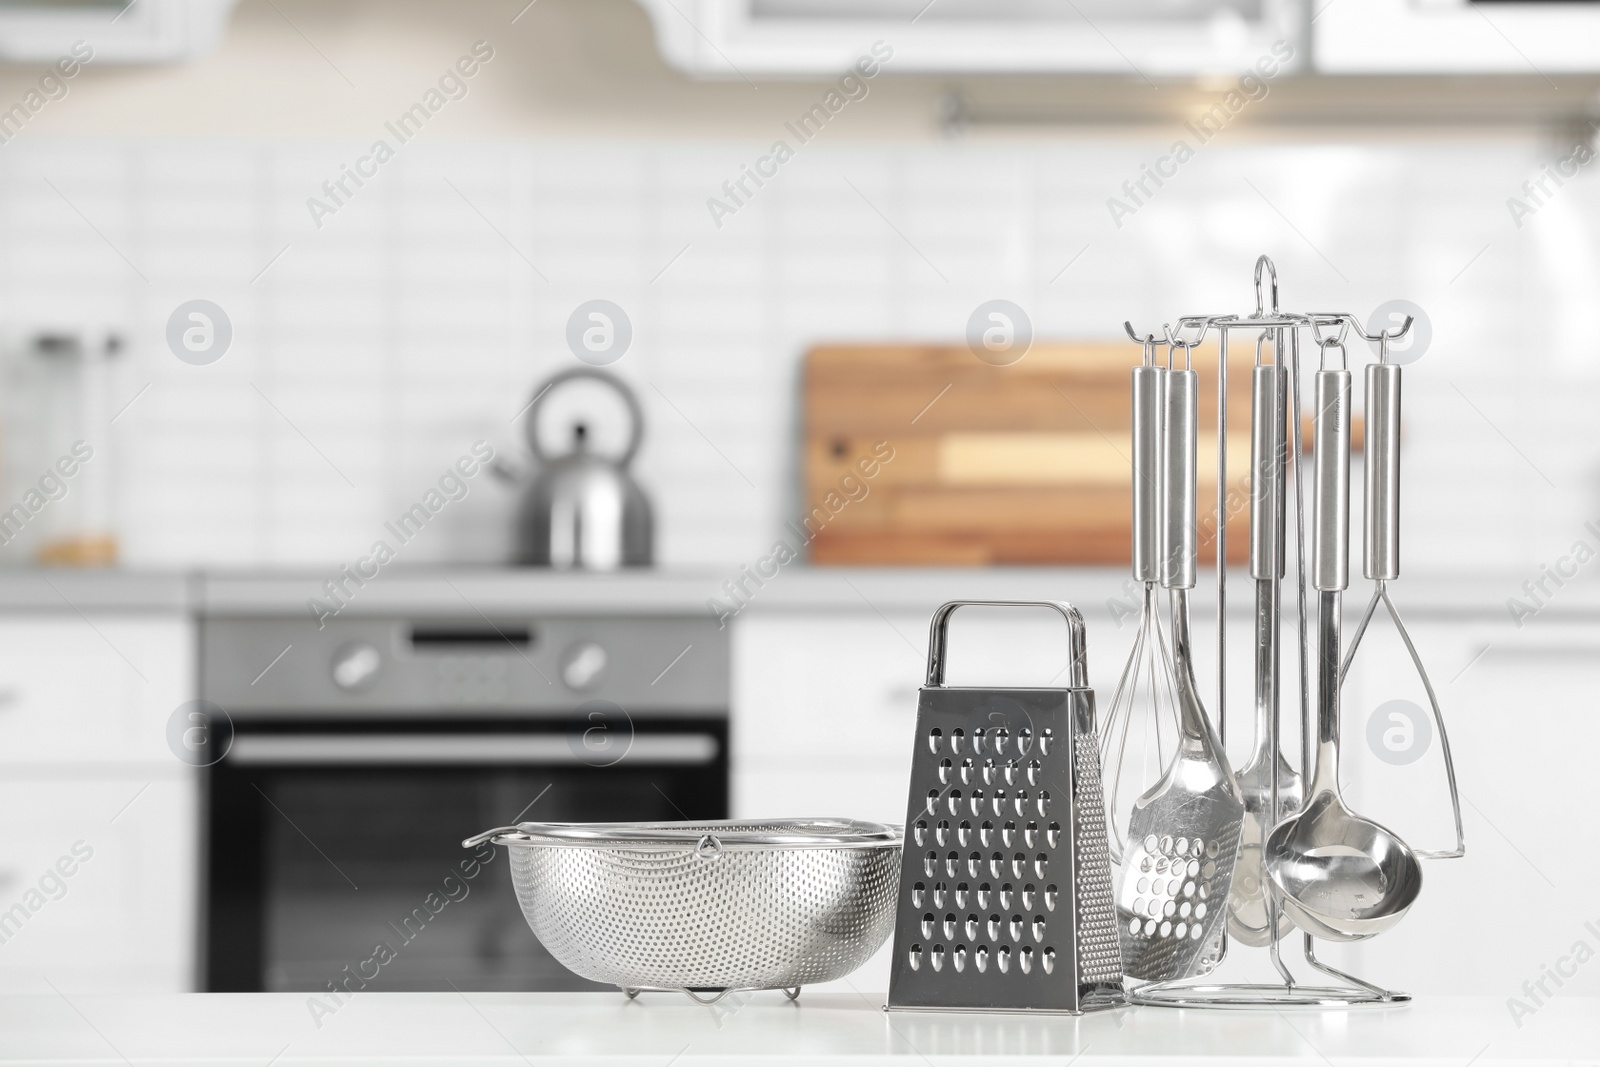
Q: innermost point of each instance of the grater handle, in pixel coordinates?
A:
(939, 635)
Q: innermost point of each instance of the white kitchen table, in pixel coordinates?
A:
(445, 1029)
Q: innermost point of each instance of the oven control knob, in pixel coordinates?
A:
(582, 665)
(356, 667)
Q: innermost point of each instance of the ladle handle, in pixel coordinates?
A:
(1330, 458)
(1147, 383)
(1180, 410)
(1268, 414)
(1380, 558)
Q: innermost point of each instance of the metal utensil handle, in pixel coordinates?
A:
(1146, 472)
(1380, 557)
(1267, 463)
(939, 635)
(1330, 458)
(1180, 412)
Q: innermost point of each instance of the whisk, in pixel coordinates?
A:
(1380, 559)
(1145, 702)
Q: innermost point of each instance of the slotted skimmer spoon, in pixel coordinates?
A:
(1183, 832)
(1339, 876)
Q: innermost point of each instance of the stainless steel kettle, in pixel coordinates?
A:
(583, 511)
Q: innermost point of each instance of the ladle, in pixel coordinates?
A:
(1337, 875)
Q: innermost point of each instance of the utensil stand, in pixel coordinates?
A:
(1284, 329)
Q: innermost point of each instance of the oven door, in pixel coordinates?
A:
(334, 856)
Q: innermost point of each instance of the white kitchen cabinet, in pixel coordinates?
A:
(85, 766)
(824, 702)
(1524, 733)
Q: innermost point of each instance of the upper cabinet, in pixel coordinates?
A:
(111, 31)
(1142, 38)
(1457, 37)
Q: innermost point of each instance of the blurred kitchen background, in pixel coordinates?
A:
(1397, 151)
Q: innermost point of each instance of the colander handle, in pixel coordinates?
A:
(939, 635)
(478, 839)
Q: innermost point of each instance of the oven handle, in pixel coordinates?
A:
(300, 750)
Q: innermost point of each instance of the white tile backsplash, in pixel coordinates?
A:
(420, 316)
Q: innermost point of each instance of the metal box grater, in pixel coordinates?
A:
(1005, 899)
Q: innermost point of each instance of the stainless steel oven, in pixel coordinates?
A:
(351, 760)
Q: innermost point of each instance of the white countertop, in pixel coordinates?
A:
(796, 588)
(444, 1029)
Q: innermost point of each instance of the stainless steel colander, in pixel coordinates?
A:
(706, 908)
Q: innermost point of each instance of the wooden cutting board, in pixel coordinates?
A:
(1023, 464)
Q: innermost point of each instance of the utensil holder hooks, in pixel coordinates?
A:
(1328, 330)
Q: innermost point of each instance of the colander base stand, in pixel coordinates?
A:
(696, 995)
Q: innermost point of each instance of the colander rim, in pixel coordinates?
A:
(724, 834)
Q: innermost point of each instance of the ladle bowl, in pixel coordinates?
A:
(1339, 876)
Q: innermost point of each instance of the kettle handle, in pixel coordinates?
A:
(531, 422)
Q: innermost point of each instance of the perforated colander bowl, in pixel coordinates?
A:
(706, 908)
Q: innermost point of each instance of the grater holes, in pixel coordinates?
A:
(1000, 736)
(1005, 895)
(975, 864)
(1019, 864)
(1002, 959)
(916, 958)
(919, 832)
(980, 958)
(958, 738)
(961, 895)
(1052, 836)
(1028, 893)
(978, 738)
(938, 894)
(1041, 864)
(1030, 834)
(941, 833)
(964, 833)
(1038, 927)
(949, 927)
(958, 958)
(930, 863)
(997, 866)
(944, 771)
(1044, 802)
(1007, 832)
(1047, 959)
(999, 801)
(983, 895)
(936, 957)
(952, 864)
(927, 924)
(1021, 802)
(935, 739)
(1025, 960)
(989, 772)
(1047, 738)
(971, 927)
(1051, 895)
(955, 802)
(917, 893)
(1035, 770)
(1015, 928)
(985, 832)
(1010, 772)
(994, 928)
(933, 801)
(966, 772)
(1024, 740)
